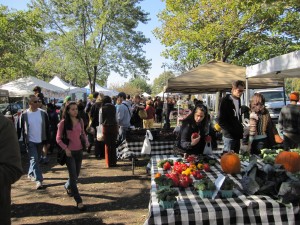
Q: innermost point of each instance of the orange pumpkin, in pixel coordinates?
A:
(230, 163)
(289, 160)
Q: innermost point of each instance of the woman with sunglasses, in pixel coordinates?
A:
(73, 126)
(195, 123)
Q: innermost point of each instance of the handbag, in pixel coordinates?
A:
(100, 136)
(146, 149)
(142, 114)
(61, 153)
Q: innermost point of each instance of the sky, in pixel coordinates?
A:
(153, 49)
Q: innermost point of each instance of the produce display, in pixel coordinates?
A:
(276, 173)
(183, 172)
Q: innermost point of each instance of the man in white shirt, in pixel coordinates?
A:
(34, 125)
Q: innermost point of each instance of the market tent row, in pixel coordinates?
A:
(215, 76)
(103, 90)
(23, 87)
(70, 89)
(283, 66)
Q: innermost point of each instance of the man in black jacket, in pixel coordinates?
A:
(230, 117)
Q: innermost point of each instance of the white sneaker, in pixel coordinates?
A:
(39, 185)
(31, 177)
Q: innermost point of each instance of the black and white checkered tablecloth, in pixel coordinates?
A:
(127, 149)
(191, 209)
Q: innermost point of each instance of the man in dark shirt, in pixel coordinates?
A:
(289, 123)
(230, 117)
(10, 166)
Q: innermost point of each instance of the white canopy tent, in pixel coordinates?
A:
(67, 87)
(145, 94)
(103, 90)
(24, 87)
(283, 66)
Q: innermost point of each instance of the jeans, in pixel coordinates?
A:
(34, 153)
(231, 144)
(74, 166)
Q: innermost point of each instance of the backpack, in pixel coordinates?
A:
(143, 114)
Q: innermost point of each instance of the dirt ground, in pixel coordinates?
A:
(112, 196)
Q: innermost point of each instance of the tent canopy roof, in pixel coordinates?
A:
(215, 76)
(283, 66)
(24, 86)
(64, 85)
(104, 90)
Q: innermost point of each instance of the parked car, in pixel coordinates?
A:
(274, 101)
(12, 108)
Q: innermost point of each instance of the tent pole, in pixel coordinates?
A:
(161, 123)
(247, 92)
(284, 96)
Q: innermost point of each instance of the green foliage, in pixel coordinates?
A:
(167, 194)
(292, 84)
(204, 184)
(87, 40)
(163, 180)
(140, 83)
(161, 81)
(19, 32)
(241, 32)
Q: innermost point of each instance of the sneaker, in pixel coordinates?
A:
(31, 177)
(39, 185)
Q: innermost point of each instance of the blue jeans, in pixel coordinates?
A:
(34, 153)
(231, 144)
(74, 166)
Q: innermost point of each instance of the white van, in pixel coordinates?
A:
(274, 100)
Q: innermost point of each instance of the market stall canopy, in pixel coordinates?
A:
(24, 87)
(103, 90)
(145, 94)
(67, 87)
(283, 66)
(215, 76)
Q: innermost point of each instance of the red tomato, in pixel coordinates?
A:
(195, 135)
(167, 166)
(206, 167)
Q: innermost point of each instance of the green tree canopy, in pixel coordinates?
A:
(161, 81)
(141, 84)
(89, 39)
(19, 32)
(240, 32)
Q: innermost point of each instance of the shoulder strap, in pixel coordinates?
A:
(127, 108)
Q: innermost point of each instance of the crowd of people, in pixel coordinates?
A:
(74, 129)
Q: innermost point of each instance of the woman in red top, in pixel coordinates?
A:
(73, 126)
(148, 123)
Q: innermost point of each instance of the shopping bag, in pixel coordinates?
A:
(146, 149)
(100, 136)
(207, 149)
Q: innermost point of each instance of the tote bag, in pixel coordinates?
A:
(146, 149)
